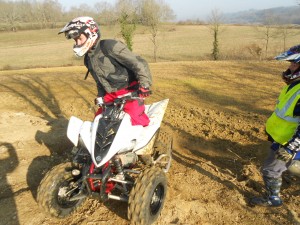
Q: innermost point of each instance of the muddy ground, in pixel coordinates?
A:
(217, 149)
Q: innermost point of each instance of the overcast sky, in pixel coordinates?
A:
(193, 9)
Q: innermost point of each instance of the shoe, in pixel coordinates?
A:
(269, 201)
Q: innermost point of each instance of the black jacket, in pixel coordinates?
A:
(113, 67)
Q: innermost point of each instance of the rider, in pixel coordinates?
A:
(114, 67)
(283, 131)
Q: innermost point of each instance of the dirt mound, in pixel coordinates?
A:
(219, 143)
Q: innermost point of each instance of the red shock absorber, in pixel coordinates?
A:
(90, 180)
(109, 185)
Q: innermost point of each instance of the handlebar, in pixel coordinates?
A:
(128, 96)
(119, 100)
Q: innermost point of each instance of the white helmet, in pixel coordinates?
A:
(82, 25)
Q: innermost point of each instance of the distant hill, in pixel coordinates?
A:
(279, 15)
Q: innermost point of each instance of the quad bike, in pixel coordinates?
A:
(112, 160)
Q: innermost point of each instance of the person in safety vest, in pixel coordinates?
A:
(283, 129)
(115, 69)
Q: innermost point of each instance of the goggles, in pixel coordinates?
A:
(72, 34)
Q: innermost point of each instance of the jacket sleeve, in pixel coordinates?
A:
(101, 91)
(137, 64)
(100, 88)
(294, 143)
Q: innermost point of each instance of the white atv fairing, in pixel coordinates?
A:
(128, 137)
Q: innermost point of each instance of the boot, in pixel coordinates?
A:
(272, 198)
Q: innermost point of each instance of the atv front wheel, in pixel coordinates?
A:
(147, 197)
(55, 190)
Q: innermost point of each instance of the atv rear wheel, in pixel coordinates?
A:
(147, 197)
(52, 192)
(163, 143)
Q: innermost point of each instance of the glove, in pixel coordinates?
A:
(99, 101)
(144, 92)
(283, 155)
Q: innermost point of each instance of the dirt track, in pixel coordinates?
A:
(217, 150)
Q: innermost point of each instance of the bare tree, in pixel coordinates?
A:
(82, 10)
(28, 14)
(52, 12)
(152, 14)
(105, 13)
(285, 31)
(214, 20)
(10, 14)
(47, 13)
(267, 30)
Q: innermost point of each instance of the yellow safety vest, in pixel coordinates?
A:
(282, 124)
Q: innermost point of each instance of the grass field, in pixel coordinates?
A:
(44, 48)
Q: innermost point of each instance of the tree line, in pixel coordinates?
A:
(33, 14)
(36, 14)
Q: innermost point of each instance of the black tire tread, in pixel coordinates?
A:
(163, 142)
(44, 193)
(140, 192)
